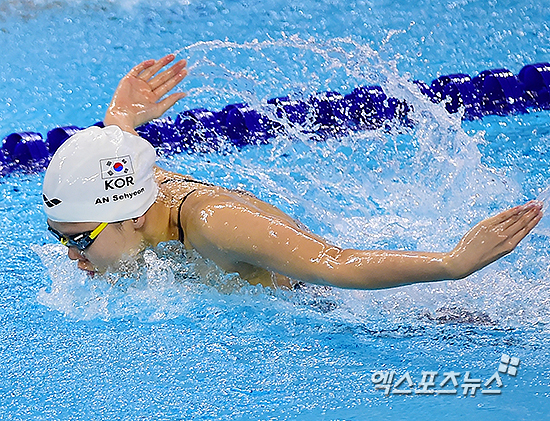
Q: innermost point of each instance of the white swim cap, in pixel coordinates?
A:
(100, 175)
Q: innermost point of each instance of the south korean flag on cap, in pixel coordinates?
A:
(116, 167)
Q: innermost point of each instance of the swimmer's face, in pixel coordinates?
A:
(117, 242)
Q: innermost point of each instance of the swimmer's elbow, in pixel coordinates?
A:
(379, 269)
(343, 268)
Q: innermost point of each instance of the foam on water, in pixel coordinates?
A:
(160, 284)
(179, 338)
(412, 188)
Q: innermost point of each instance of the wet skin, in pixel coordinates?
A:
(121, 241)
(243, 234)
(264, 245)
(113, 245)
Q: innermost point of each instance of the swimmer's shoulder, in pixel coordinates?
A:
(176, 183)
(163, 176)
(201, 195)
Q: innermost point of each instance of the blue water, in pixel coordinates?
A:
(182, 340)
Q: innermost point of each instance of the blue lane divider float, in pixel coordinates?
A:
(492, 92)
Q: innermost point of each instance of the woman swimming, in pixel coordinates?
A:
(106, 200)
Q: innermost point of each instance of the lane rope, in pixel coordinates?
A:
(491, 92)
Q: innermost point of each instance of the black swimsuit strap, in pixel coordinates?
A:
(180, 229)
(169, 180)
(186, 180)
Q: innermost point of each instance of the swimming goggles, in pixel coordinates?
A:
(81, 241)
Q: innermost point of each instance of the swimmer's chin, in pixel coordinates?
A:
(127, 265)
(90, 272)
(89, 269)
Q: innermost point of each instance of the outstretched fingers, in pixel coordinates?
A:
(493, 238)
(149, 71)
(512, 226)
(139, 68)
(169, 101)
(511, 214)
(507, 219)
(170, 83)
(524, 225)
(161, 83)
(169, 74)
(521, 216)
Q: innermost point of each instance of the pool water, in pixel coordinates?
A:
(180, 339)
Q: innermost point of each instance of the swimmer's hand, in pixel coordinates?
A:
(138, 97)
(492, 238)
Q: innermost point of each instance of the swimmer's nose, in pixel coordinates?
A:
(74, 254)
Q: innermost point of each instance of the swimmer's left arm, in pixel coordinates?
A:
(235, 234)
(138, 97)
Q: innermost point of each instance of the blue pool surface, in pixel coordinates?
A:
(180, 339)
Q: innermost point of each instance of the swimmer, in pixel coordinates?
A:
(106, 201)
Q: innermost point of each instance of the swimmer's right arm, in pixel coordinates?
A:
(237, 236)
(139, 95)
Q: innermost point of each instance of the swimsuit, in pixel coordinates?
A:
(180, 229)
(181, 236)
(204, 183)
